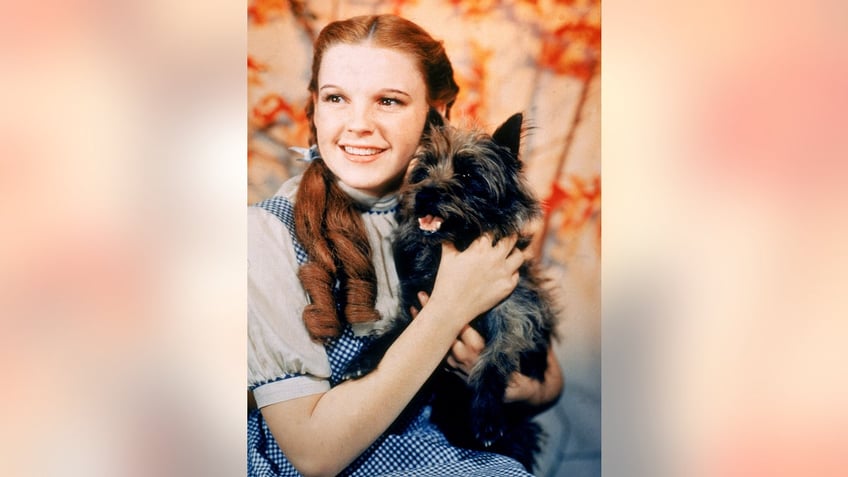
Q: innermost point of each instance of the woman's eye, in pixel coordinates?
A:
(389, 101)
(333, 98)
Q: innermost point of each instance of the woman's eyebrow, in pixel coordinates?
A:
(396, 91)
(382, 91)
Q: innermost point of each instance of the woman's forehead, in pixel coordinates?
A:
(372, 67)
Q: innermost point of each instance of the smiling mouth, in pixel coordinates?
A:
(429, 223)
(361, 151)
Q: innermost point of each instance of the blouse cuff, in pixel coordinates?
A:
(289, 388)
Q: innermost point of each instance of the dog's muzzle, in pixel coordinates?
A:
(430, 223)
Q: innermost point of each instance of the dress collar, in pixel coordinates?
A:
(368, 202)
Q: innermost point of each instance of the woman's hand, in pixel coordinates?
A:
(539, 394)
(465, 352)
(473, 281)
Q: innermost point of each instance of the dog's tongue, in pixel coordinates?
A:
(428, 223)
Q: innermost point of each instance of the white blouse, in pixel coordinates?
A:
(283, 362)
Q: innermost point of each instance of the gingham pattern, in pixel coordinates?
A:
(413, 448)
(342, 350)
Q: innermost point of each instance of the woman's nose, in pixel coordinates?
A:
(360, 120)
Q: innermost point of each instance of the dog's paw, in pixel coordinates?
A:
(488, 435)
(488, 425)
(357, 370)
(353, 374)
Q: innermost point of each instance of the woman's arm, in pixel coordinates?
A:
(321, 434)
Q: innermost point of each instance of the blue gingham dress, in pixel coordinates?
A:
(412, 448)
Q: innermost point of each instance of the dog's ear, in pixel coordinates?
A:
(508, 134)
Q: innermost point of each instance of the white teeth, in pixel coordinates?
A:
(360, 151)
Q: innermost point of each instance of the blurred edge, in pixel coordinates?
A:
(724, 231)
(123, 275)
(122, 147)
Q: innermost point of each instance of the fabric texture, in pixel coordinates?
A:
(284, 363)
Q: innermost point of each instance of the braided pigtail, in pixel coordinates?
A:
(346, 232)
(330, 228)
(318, 275)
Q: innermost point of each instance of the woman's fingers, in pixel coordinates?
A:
(520, 388)
(461, 355)
(506, 244)
(472, 339)
(455, 365)
(422, 297)
(467, 347)
(465, 351)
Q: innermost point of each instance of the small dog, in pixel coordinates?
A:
(463, 184)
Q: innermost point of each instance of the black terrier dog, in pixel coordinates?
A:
(463, 184)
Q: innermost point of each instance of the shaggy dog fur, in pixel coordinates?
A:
(463, 184)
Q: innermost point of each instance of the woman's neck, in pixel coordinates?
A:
(369, 201)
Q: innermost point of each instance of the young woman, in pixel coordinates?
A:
(321, 276)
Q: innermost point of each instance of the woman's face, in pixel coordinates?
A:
(370, 110)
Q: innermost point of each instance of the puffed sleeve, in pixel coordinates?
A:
(283, 362)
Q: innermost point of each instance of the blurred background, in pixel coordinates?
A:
(542, 58)
(123, 184)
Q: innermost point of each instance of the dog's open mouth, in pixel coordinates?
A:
(429, 223)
